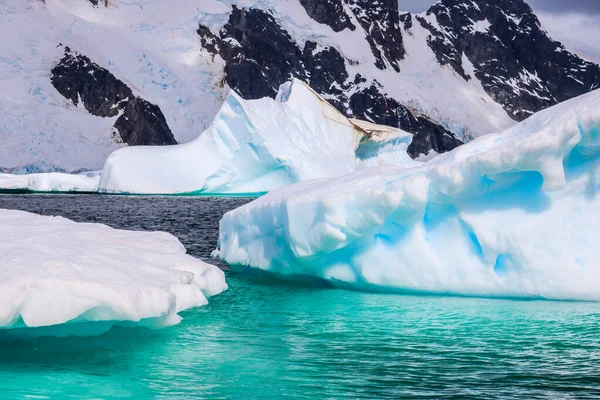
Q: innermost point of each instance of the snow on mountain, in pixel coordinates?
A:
(515, 60)
(62, 278)
(86, 78)
(149, 49)
(482, 220)
(256, 146)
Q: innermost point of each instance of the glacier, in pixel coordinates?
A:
(62, 278)
(255, 146)
(512, 214)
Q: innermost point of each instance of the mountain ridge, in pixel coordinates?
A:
(430, 74)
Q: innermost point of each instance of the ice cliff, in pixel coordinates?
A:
(509, 214)
(256, 146)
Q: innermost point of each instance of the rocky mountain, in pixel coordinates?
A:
(87, 77)
(517, 63)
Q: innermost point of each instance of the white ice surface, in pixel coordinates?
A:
(59, 277)
(254, 147)
(51, 182)
(512, 214)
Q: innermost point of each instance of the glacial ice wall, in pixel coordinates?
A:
(513, 214)
(253, 147)
(59, 277)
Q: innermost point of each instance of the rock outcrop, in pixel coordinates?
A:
(260, 55)
(80, 80)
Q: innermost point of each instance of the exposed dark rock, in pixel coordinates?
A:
(428, 136)
(519, 66)
(407, 21)
(207, 40)
(325, 69)
(143, 124)
(378, 18)
(96, 2)
(79, 79)
(381, 21)
(329, 12)
(370, 104)
(260, 56)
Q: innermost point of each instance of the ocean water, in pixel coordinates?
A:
(265, 339)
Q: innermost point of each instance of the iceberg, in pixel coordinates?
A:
(62, 278)
(51, 182)
(256, 146)
(513, 214)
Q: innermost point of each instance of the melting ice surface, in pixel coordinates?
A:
(59, 277)
(257, 146)
(512, 214)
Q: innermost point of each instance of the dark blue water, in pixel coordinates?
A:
(268, 339)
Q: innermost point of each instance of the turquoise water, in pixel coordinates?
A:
(265, 339)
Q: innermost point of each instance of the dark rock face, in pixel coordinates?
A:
(77, 78)
(378, 18)
(429, 136)
(329, 12)
(142, 123)
(381, 21)
(407, 21)
(260, 56)
(519, 66)
(371, 105)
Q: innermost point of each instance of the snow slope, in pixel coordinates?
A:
(151, 46)
(257, 146)
(63, 278)
(509, 214)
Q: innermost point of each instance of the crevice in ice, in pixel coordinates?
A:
(473, 239)
(503, 265)
(435, 214)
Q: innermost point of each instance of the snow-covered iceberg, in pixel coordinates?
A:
(59, 277)
(512, 214)
(51, 182)
(253, 147)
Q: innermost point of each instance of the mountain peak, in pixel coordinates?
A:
(518, 64)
